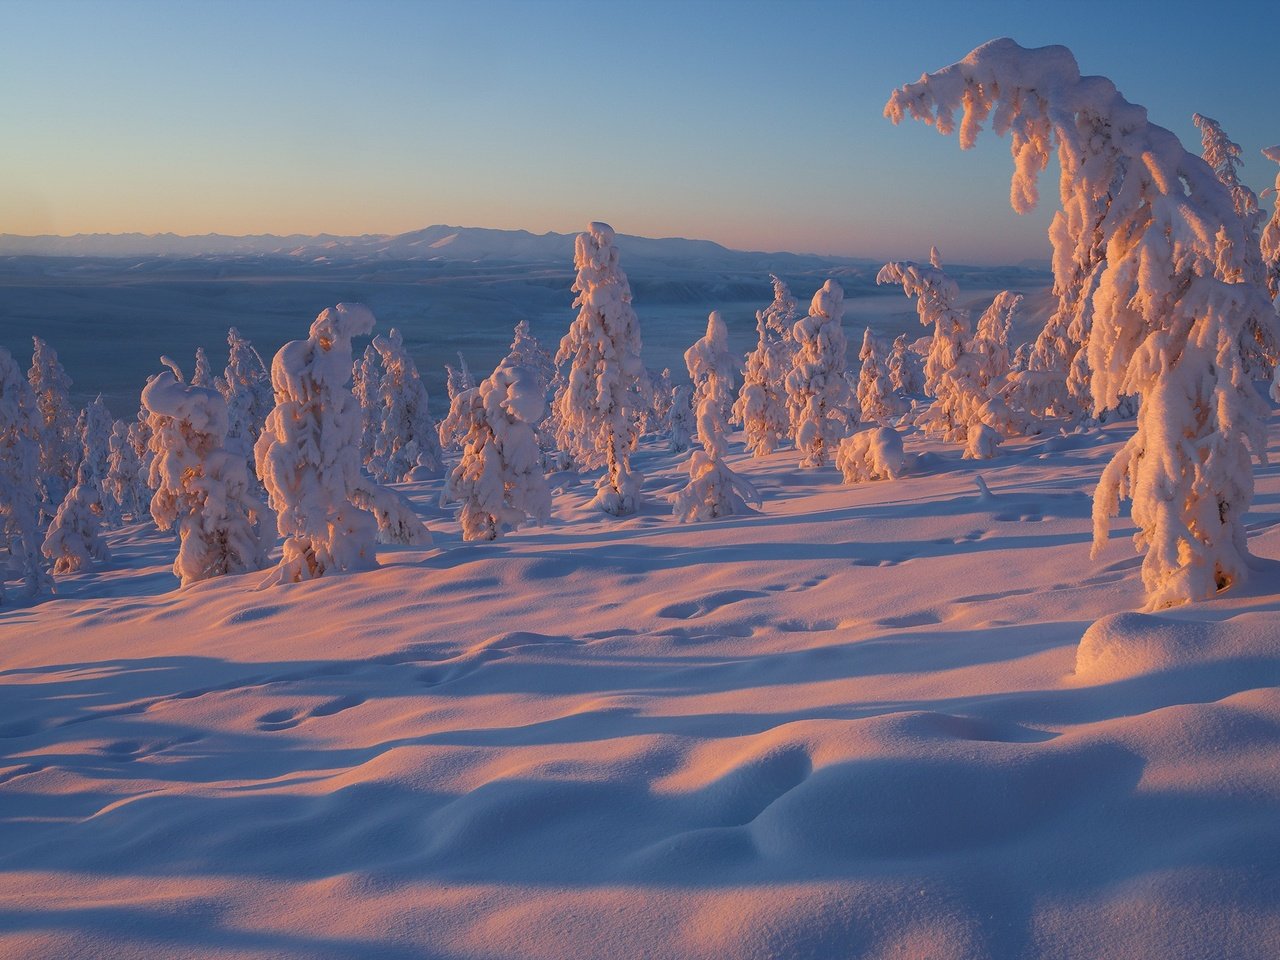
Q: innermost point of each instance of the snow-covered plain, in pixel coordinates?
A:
(897, 719)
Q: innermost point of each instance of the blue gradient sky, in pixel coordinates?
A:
(755, 124)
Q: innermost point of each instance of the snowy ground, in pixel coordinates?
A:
(858, 724)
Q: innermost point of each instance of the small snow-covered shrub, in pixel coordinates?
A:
(873, 454)
(981, 442)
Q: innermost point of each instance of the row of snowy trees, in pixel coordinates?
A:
(1148, 308)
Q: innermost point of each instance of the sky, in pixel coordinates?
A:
(758, 125)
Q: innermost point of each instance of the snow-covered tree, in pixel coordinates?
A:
(951, 375)
(21, 426)
(713, 489)
(761, 407)
(683, 422)
(598, 406)
(526, 351)
(904, 367)
(990, 341)
(819, 401)
(140, 440)
(407, 446)
(656, 417)
(498, 483)
(1261, 343)
(202, 376)
(74, 539)
(201, 487)
(308, 456)
(95, 426)
(245, 385)
(59, 442)
(875, 391)
(872, 454)
(1270, 238)
(1148, 250)
(125, 483)
(459, 379)
(366, 378)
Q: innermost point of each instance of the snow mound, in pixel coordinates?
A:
(1126, 645)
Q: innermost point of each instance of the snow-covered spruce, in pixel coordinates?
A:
(458, 379)
(1260, 342)
(406, 445)
(60, 449)
(498, 483)
(713, 489)
(761, 407)
(1150, 258)
(245, 385)
(872, 454)
(990, 343)
(1270, 238)
(951, 373)
(201, 487)
(21, 427)
(905, 374)
(527, 351)
(656, 417)
(125, 482)
(308, 457)
(819, 401)
(683, 424)
(74, 539)
(366, 377)
(876, 398)
(202, 375)
(95, 426)
(598, 405)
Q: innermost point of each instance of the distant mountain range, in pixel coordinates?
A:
(435, 243)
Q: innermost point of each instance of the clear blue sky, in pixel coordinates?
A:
(755, 124)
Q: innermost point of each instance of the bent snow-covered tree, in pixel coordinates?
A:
(819, 400)
(1150, 260)
(498, 482)
(713, 489)
(761, 407)
(308, 456)
(201, 487)
(599, 404)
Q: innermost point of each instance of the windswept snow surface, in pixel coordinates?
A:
(858, 724)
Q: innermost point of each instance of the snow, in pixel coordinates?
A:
(862, 723)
